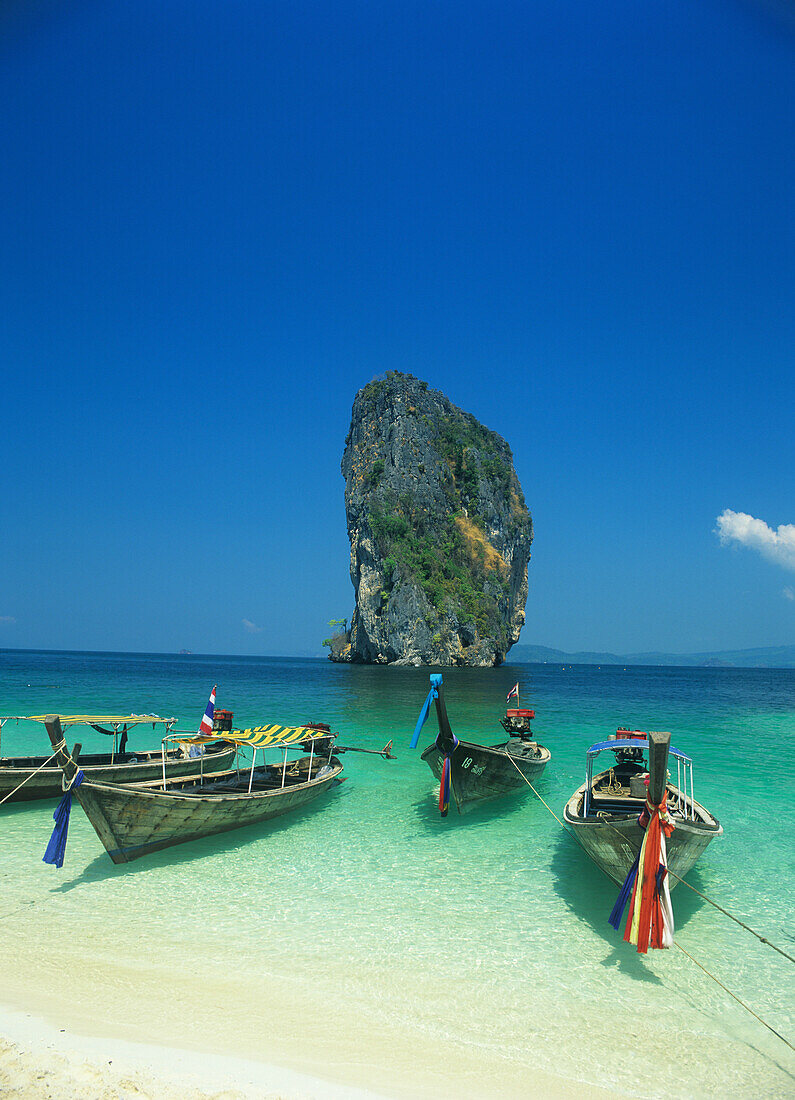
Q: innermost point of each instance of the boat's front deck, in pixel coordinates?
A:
(617, 792)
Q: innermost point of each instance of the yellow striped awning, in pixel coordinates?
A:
(259, 737)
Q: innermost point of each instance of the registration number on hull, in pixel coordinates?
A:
(477, 770)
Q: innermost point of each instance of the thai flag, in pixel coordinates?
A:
(514, 691)
(206, 728)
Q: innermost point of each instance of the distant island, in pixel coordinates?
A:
(766, 657)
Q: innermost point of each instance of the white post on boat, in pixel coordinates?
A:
(692, 796)
(253, 761)
(284, 768)
(163, 757)
(679, 784)
(311, 756)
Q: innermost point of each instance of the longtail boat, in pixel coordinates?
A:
(134, 819)
(24, 778)
(604, 812)
(472, 772)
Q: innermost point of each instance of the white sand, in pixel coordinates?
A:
(42, 1062)
(38, 1060)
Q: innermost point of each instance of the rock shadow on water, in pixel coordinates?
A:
(220, 844)
(590, 894)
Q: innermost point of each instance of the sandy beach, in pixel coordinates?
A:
(39, 1060)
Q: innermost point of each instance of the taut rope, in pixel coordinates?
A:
(762, 939)
(700, 965)
(736, 998)
(731, 916)
(27, 777)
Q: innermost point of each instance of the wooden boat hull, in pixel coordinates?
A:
(131, 768)
(481, 772)
(613, 841)
(134, 820)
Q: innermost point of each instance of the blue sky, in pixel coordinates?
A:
(220, 220)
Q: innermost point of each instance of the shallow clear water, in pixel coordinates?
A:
(480, 941)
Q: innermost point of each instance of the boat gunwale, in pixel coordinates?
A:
(154, 789)
(172, 756)
(710, 823)
(495, 750)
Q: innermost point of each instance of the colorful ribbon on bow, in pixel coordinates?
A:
(444, 785)
(650, 919)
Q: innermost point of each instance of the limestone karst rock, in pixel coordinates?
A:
(440, 534)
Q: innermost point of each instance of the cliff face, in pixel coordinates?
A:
(439, 530)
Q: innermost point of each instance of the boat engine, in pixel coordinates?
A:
(222, 721)
(322, 745)
(517, 723)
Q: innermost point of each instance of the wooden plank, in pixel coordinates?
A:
(659, 743)
(52, 723)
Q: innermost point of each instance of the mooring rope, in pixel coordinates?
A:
(535, 792)
(684, 952)
(27, 777)
(734, 995)
(731, 916)
(720, 908)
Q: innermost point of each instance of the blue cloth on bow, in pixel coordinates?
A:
(57, 845)
(436, 679)
(623, 897)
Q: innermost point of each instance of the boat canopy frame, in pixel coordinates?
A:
(685, 804)
(257, 738)
(115, 721)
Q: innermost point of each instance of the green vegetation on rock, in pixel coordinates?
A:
(437, 557)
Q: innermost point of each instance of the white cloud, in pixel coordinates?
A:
(789, 593)
(777, 546)
(7, 619)
(251, 628)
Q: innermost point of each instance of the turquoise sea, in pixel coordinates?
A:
(367, 940)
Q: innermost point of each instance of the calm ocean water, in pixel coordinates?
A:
(482, 933)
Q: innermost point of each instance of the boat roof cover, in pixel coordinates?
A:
(616, 744)
(259, 737)
(92, 719)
